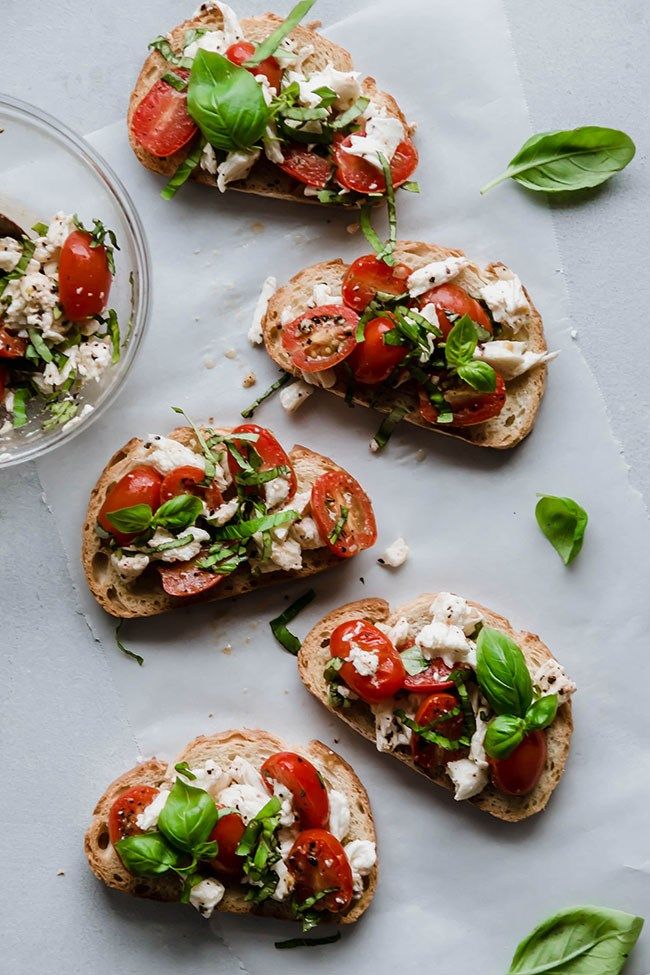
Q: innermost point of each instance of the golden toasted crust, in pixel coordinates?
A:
(315, 653)
(256, 747)
(145, 596)
(265, 179)
(524, 394)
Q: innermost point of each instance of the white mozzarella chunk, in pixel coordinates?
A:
(365, 662)
(236, 165)
(208, 776)
(292, 397)
(306, 532)
(395, 555)
(454, 610)
(165, 454)
(255, 336)
(390, 732)
(276, 491)
(148, 818)
(217, 41)
(287, 813)
(511, 359)
(129, 567)
(552, 678)
(209, 161)
(10, 253)
(322, 295)
(224, 513)
(382, 136)
(339, 814)
(467, 777)
(345, 84)
(205, 896)
(362, 856)
(245, 799)
(398, 633)
(197, 537)
(507, 300)
(448, 642)
(434, 274)
(326, 378)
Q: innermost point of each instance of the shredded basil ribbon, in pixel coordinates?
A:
(273, 41)
(285, 378)
(278, 626)
(184, 171)
(387, 426)
(123, 649)
(309, 942)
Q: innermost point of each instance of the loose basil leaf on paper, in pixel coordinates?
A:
(568, 160)
(125, 650)
(503, 734)
(542, 712)
(564, 523)
(188, 817)
(146, 855)
(273, 41)
(502, 673)
(578, 941)
(226, 102)
(278, 626)
(328, 939)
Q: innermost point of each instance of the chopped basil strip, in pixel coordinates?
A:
(62, 411)
(386, 254)
(113, 329)
(387, 427)
(433, 737)
(210, 466)
(39, 345)
(125, 650)
(411, 186)
(184, 769)
(20, 269)
(246, 529)
(352, 114)
(309, 942)
(273, 41)
(19, 408)
(184, 171)
(279, 624)
(337, 530)
(305, 912)
(285, 378)
(162, 45)
(414, 661)
(175, 80)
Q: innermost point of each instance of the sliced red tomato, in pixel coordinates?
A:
(520, 772)
(11, 346)
(433, 708)
(305, 783)
(305, 166)
(84, 277)
(4, 379)
(140, 486)
(467, 406)
(269, 449)
(355, 528)
(228, 832)
(161, 123)
(242, 51)
(451, 298)
(187, 579)
(187, 480)
(317, 862)
(321, 337)
(366, 276)
(372, 361)
(386, 672)
(434, 678)
(126, 809)
(355, 173)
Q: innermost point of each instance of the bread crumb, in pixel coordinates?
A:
(227, 649)
(230, 353)
(421, 454)
(352, 228)
(60, 873)
(257, 227)
(574, 333)
(209, 361)
(314, 24)
(249, 380)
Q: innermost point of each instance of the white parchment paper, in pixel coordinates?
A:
(457, 890)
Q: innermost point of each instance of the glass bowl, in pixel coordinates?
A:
(45, 168)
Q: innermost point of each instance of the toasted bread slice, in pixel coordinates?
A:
(524, 394)
(315, 653)
(256, 747)
(145, 596)
(265, 178)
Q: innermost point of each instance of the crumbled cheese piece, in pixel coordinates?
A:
(148, 818)
(552, 678)
(182, 553)
(382, 136)
(208, 161)
(208, 776)
(216, 40)
(398, 633)
(362, 856)
(434, 274)
(326, 378)
(292, 397)
(245, 799)
(236, 165)
(276, 491)
(507, 300)
(467, 777)
(390, 733)
(451, 609)
(255, 336)
(396, 554)
(448, 642)
(129, 567)
(287, 812)
(511, 359)
(285, 555)
(306, 532)
(291, 56)
(339, 814)
(205, 896)
(299, 503)
(249, 380)
(321, 295)
(165, 454)
(365, 662)
(10, 253)
(224, 513)
(345, 84)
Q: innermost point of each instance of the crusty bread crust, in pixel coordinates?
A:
(315, 653)
(265, 178)
(145, 596)
(524, 394)
(256, 746)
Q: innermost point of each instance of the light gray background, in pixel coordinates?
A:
(582, 61)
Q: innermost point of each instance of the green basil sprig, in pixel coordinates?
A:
(569, 160)
(564, 523)
(187, 819)
(581, 940)
(459, 351)
(506, 731)
(273, 41)
(226, 102)
(175, 515)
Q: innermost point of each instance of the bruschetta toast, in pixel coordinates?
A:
(450, 689)
(213, 513)
(266, 830)
(299, 125)
(433, 339)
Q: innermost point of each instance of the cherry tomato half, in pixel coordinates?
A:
(366, 276)
(355, 173)
(321, 337)
(434, 678)
(297, 774)
(241, 51)
(84, 277)
(140, 486)
(372, 361)
(187, 579)
(125, 810)
(11, 346)
(305, 166)
(228, 832)
(188, 480)
(269, 449)
(468, 406)
(388, 677)
(160, 123)
(520, 772)
(433, 708)
(331, 493)
(451, 298)
(317, 861)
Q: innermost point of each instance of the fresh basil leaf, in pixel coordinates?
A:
(273, 41)
(210, 466)
(352, 114)
(503, 734)
(246, 529)
(226, 102)
(190, 880)
(411, 186)
(461, 342)
(146, 855)
(502, 673)
(308, 942)
(39, 345)
(183, 769)
(387, 427)
(113, 330)
(175, 81)
(332, 668)
(125, 650)
(19, 408)
(136, 518)
(178, 513)
(542, 712)
(413, 660)
(568, 160)
(40, 229)
(256, 477)
(188, 817)
(184, 171)
(206, 851)
(564, 523)
(285, 378)
(279, 624)
(479, 375)
(578, 941)
(265, 816)
(369, 232)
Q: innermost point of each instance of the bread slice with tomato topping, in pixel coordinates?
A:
(515, 401)
(266, 178)
(147, 596)
(216, 754)
(318, 649)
